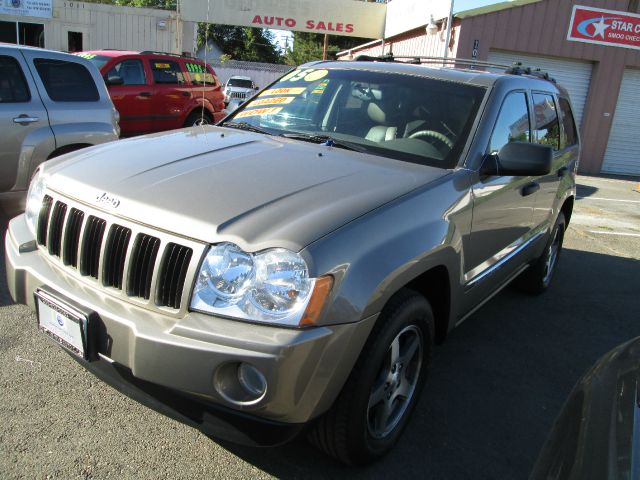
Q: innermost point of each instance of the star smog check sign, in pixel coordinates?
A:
(604, 27)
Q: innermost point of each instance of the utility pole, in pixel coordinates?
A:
(325, 47)
(449, 20)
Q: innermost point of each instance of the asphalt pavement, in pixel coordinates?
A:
(495, 387)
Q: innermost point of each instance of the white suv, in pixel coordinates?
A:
(240, 88)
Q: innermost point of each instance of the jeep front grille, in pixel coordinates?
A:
(145, 253)
(91, 246)
(174, 266)
(125, 259)
(115, 252)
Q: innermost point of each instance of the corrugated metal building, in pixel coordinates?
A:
(75, 26)
(603, 80)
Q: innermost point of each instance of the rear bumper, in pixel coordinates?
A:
(195, 357)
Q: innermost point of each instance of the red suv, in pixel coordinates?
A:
(159, 91)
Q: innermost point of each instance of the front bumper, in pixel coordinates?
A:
(189, 356)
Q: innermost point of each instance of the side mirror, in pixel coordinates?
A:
(114, 80)
(519, 159)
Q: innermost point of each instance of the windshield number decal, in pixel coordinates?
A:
(195, 68)
(308, 75)
(272, 101)
(320, 88)
(283, 91)
(259, 112)
(161, 65)
(88, 56)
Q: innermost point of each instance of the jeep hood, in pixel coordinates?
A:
(217, 184)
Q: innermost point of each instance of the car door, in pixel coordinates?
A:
(22, 116)
(131, 93)
(502, 207)
(546, 131)
(170, 94)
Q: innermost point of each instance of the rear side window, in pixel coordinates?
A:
(547, 128)
(131, 72)
(570, 134)
(13, 86)
(199, 74)
(512, 124)
(167, 72)
(66, 81)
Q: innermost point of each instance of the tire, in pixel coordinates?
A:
(196, 119)
(382, 390)
(537, 278)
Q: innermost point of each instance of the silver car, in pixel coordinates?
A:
(295, 264)
(50, 103)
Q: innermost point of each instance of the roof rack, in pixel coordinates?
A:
(514, 69)
(518, 69)
(151, 52)
(418, 59)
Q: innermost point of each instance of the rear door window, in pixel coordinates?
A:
(199, 75)
(513, 122)
(13, 86)
(66, 81)
(131, 71)
(570, 133)
(166, 72)
(547, 128)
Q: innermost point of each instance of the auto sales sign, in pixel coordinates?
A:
(604, 27)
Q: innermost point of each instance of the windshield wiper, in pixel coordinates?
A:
(325, 140)
(246, 126)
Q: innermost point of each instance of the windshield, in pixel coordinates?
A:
(97, 60)
(405, 117)
(239, 82)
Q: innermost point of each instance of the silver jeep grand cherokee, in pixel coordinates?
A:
(295, 264)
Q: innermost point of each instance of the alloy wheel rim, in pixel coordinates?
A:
(552, 257)
(395, 383)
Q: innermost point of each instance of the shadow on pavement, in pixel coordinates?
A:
(583, 191)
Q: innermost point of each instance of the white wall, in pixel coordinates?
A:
(108, 26)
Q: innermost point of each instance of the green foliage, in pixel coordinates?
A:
(241, 43)
(162, 4)
(308, 47)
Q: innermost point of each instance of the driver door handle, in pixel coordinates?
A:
(145, 94)
(24, 119)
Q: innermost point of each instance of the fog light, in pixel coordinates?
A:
(251, 380)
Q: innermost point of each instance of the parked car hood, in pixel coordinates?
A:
(217, 184)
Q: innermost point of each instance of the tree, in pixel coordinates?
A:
(241, 43)
(308, 46)
(162, 4)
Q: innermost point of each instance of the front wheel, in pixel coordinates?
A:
(537, 278)
(381, 392)
(196, 119)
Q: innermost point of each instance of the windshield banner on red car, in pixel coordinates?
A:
(604, 27)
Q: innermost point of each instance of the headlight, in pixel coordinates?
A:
(271, 286)
(35, 195)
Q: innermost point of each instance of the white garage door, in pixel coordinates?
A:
(623, 150)
(574, 75)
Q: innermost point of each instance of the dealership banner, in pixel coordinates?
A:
(26, 8)
(604, 27)
(335, 17)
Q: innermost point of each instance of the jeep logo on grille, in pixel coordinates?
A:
(105, 199)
